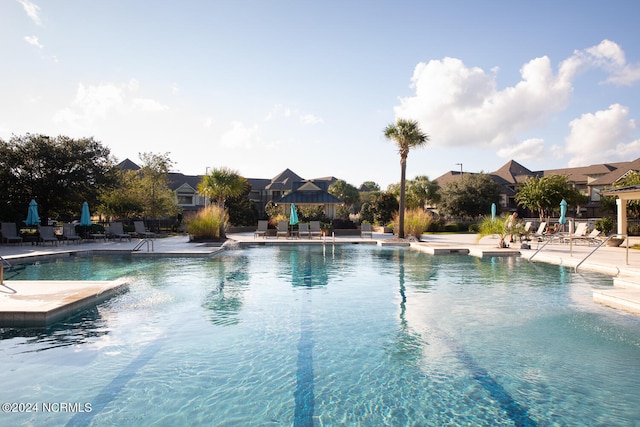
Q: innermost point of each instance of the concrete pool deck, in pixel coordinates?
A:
(63, 298)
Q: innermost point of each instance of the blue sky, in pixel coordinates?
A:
(260, 86)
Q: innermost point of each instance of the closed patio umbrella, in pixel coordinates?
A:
(293, 217)
(32, 214)
(563, 213)
(493, 211)
(85, 217)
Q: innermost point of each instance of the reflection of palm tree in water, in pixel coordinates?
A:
(409, 343)
(225, 300)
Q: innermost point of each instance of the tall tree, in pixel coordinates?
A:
(345, 192)
(221, 184)
(469, 196)
(407, 135)
(544, 194)
(59, 173)
(157, 198)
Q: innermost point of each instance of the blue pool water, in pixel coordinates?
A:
(354, 336)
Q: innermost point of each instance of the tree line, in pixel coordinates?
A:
(61, 172)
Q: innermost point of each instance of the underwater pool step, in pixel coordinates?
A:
(39, 303)
(627, 299)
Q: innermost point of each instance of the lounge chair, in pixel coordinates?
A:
(591, 238)
(141, 232)
(10, 233)
(314, 229)
(283, 229)
(116, 231)
(303, 229)
(47, 235)
(69, 233)
(365, 229)
(540, 234)
(526, 231)
(263, 226)
(580, 232)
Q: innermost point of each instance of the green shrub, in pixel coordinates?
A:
(208, 223)
(416, 222)
(604, 225)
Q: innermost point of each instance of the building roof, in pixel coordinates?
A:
(127, 164)
(309, 193)
(177, 180)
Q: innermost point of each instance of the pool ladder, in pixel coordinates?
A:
(3, 264)
(626, 237)
(141, 243)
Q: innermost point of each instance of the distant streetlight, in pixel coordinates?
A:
(460, 164)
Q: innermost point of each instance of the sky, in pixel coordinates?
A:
(259, 86)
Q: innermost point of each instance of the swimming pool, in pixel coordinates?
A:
(351, 335)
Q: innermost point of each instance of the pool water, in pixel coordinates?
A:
(346, 336)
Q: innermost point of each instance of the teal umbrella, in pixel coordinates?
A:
(32, 214)
(493, 211)
(85, 217)
(293, 217)
(563, 212)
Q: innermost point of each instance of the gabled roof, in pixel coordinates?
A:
(177, 180)
(258, 184)
(128, 165)
(620, 170)
(310, 193)
(283, 181)
(513, 172)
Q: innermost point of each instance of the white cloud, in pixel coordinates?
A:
(530, 149)
(595, 137)
(609, 57)
(32, 10)
(280, 111)
(98, 102)
(310, 119)
(461, 106)
(240, 136)
(33, 41)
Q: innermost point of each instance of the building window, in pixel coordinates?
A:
(185, 199)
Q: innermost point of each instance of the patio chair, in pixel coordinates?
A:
(69, 233)
(141, 232)
(365, 229)
(591, 238)
(116, 231)
(263, 226)
(303, 229)
(10, 233)
(540, 234)
(580, 232)
(283, 229)
(314, 229)
(47, 235)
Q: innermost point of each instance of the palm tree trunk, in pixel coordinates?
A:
(403, 172)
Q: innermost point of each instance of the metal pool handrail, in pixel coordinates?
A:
(626, 238)
(142, 243)
(551, 239)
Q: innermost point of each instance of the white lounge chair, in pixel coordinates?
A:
(540, 234)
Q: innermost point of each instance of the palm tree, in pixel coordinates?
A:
(406, 134)
(221, 184)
